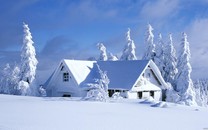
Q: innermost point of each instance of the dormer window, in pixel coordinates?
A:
(66, 77)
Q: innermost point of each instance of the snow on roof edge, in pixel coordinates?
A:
(158, 74)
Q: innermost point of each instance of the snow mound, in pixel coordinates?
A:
(117, 95)
(149, 100)
(95, 95)
(160, 104)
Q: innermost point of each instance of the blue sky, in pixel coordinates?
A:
(72, 28)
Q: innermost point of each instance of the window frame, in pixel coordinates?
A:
(66, 77)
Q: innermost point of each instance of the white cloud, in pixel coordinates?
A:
(159, 8)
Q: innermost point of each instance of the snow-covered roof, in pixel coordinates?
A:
(79, 68)
(123, 74)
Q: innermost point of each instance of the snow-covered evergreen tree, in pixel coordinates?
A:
(184, 84)
(201, 91)
(111, 57)
(150, 46)
(170, 61)
(159, 54)
(5, 80)
(103, 54)
(98, 90)
(28, 59)
(14, 81)
(129, 50)
(9, 80)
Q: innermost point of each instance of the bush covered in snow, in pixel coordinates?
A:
(42, 91)
(117, 95)
(98, 90)
(23, 88)
(149, 100)
(96, 93)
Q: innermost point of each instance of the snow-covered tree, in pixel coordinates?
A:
(98, 89)
(42, 91)
(28, 64)
(5, 79)
(170, 61)
(184, 84)
(9, 80)
(159, 54)
(103, 54)
(129, 50)
(201, 91)
(28, 59)
(150, 46)
(14, 81)
(111, 57)
(171, 94)
(23, 86)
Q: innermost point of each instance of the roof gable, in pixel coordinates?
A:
(80, 69)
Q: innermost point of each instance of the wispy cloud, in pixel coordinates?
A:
(160, 8)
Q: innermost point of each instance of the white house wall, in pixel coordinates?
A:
(158, 95)
(148, 74)
(132, 95)
(147, 83)
(145, 94)
(60, 88)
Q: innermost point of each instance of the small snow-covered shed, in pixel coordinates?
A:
(133, 79)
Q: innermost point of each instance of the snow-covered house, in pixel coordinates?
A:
(133, 79)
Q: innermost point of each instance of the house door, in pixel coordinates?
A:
(66, 95)
(152, 93)
(139, 95)
(110, 92)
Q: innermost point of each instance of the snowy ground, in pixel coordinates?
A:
(33, 113)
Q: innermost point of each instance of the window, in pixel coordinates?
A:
(65, 77)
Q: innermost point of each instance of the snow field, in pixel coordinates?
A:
(33, 113)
